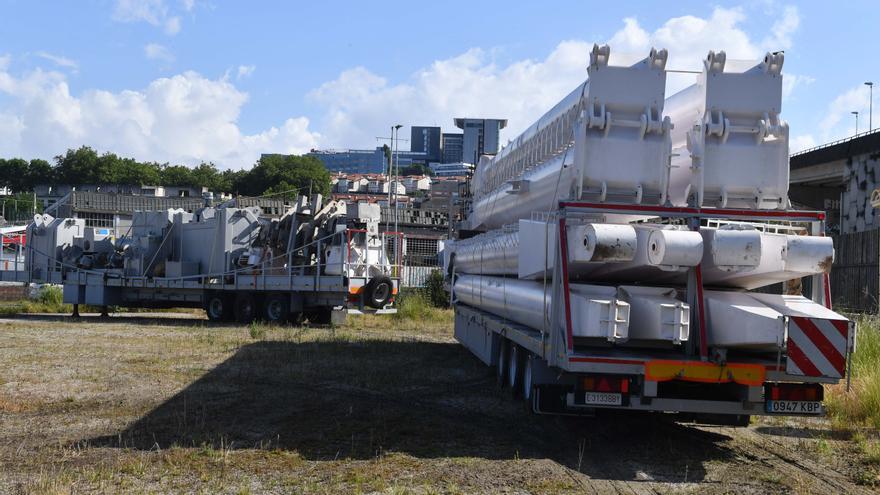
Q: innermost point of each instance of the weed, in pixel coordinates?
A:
(414, 305)
(257, 331)
(861, 404)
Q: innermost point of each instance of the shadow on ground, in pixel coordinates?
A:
(164, 319)
(342, 399)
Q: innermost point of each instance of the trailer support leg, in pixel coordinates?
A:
(75, 311)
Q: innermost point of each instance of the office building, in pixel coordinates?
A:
(451, 147)
(481, 137)
(452, 169)
(426, 140)
(365, 161)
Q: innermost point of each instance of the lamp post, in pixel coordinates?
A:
(870, 86)
(396, 160)
(857, 121)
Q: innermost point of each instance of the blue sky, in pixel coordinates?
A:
(191, 80)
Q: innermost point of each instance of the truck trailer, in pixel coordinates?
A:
(617, 254)
(319, 261)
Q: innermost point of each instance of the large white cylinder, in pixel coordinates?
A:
(607, 242)
(675, 248)
(732, 249)
(493, 253)
(595, 310)
(809, 254)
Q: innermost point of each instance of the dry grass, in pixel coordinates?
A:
(378, 405)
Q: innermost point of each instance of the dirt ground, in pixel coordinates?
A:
(159, 403)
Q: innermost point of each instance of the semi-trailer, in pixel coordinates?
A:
(616, 253)
(319, 261)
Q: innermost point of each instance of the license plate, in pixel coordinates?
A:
(794, 407)
(603, 398)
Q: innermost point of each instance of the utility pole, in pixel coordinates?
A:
(870, 86)
(396, 171)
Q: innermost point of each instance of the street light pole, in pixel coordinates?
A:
(870, 86)
(396, 172)
(857, 122)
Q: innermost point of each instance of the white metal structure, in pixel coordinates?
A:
(729, 144)
(606, 140)
(607, 219)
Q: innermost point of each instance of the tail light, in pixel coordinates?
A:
(794, 391)
(605, 384)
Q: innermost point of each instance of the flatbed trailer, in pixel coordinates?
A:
(555, 374)
(346, 270)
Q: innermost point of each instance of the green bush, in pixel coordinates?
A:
(50, 295)
(435, 291)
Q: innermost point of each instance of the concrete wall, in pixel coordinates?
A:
(861, 178)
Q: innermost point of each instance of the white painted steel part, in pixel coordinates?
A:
(732, 249)
(603, 242)
(674, 249)
(729, 145)
(595, 310)
(656, 314)
(607, 140)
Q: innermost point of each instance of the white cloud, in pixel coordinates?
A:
(792, 81)
(155, 51)
(839, 121)
(188, 4)
(172, 26)
(801, 142)
(58, 60)
(689, 38)
(185, 118)
(153, 12)
(359, 103)
(245, 71)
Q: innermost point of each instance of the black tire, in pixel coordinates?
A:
(528, 384)
(515, 369)
(501, 366)
(276, 309)
(218, 308)
(319, 316)
(245, 308)
(378, 292)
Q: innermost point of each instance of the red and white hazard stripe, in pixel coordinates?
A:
(817, 347)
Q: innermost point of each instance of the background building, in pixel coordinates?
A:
(426, 140)
(481, 137)
(452, 169)
(366, 161)
(451, 147)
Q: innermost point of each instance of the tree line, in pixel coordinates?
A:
(277, 175)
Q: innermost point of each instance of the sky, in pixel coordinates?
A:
(186, 81)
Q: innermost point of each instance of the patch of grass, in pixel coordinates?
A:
(257, 331)
(415, 305)
(861, 405)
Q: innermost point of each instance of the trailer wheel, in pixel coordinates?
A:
(277, 309)
(217, 308)
(377, 292)
(515, 369)
(245, 307)
(527, 382)
(501, 366)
